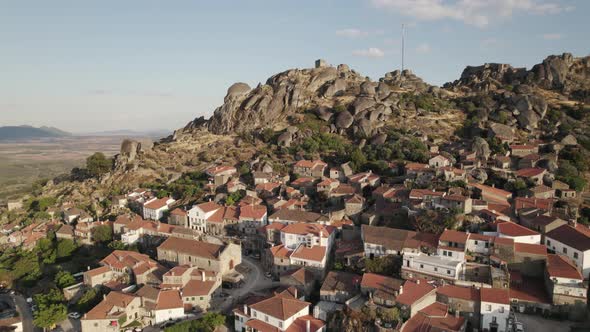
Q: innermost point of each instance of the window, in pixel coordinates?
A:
(448, 271)
(501, 310)
(436, 269)
(575, 255)
(266, 318)
(280, 324)
(564, 250)
(254, 314)
(548, 242)
(488, 308)
(475, 242)
(493, 319)
(450, 254)
(421, 266)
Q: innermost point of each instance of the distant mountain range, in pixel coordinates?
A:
(28, 132)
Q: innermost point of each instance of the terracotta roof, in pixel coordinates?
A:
(458, 292)
(295, 215)
(434, 317)
(98, 271)
(252, 212)
(315, 253)
(302, 181)
(560, 267)
(300, 324)
(492, 190)
(192, 247)
(280, 251)
(148, 292)
(198, 288)
(413, 291)
(415, 166)
(113, 301)
(529, 202)
(514, 230)
(495, 295)
(280, 307)
(208, 206)
(157, 203)
(385, 287)
(169, 299)
(528, 172)
(270, 186)
(479, 237)
(570, 236)
(179, 212)
(450, 235)
(302, 275)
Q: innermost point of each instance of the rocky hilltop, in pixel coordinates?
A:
(546, 102)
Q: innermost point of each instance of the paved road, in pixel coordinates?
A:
(254, 280)
(23, 310)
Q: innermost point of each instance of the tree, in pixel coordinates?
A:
(102, 234)
(65, 248)
(88, 300)
(64, 279)
(46, 250)
(52, 296)
(208, 323)
(48, 316)
(235, 197)
(389, 314)
(97, 164)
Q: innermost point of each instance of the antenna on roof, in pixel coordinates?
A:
(403, 37)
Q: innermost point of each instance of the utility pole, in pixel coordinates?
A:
(403, 33)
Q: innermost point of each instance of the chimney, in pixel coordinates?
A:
(246, 309)
(401, 290)
(417, 281)
(202, 275)
(308, 326)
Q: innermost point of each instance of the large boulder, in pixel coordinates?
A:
(336, 87)
(285, 139)
(130, 149)
(236, 90)
(481, 148)
(344, 120)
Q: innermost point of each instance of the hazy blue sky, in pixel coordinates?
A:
(140, 64)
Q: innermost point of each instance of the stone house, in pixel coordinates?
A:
(339, 286)
(220, 258)
(114, 311)
(381, 289)
(310, 168)
(462, 300)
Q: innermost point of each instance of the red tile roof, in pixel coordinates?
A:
(434, 317)
(514, 230)
(495, 295)
(413, 291)
(570, 236)
(458, 292)
(450, 235)
(157, 203)
(192, 247)
(280, 307)
(169, 299)
(315, 253)
(529, 248)
(560, 267)
(529, 172)
(252, 212)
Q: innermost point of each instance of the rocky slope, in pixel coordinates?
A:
(338, 100)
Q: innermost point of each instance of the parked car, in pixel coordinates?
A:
(74, 315)
(518, 327)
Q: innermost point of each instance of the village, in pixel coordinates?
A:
(285, 252)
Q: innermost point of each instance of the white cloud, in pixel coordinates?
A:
(371, 52)
(351, 33)
(423, 48)
(552, 36)
(473, 12)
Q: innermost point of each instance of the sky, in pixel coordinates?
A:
(89, 66)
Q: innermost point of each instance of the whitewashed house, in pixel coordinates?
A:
(494, 309)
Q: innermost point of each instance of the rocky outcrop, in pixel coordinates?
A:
(405, 80)
(283, 94)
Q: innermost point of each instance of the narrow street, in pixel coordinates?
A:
(24, 311)
(254, 280)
